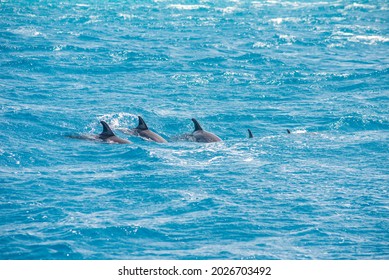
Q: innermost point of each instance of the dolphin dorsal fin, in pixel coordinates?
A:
(287, 130)
(107, 132)
(250, 133)
(197, 125)
(142, 125)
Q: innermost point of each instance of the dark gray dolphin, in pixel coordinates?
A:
(250, 133)
(200, 135)
(143, 131)
(107, 136)
(287, 130)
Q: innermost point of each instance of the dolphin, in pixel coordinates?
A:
(107, 136)
(143, 131)
(287, 130)
(250, 133)
(200, 135)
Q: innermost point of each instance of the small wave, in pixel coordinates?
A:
(193, 79)
(121, 232)
(239, 74)
(338, 45)
(251, 57)
(354, 6)
(369, 39)
(332, 76)
(187, 7)
(296, 5)
(358, 122)
(125, 55)
(26, 31)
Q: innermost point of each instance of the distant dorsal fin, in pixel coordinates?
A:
(288, 131)
(197, 125)
(250, 133)
(142, 125)
(107, 132)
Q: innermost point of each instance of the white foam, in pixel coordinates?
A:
(229, 10)
(300, 131)
(276, 20)
(118, 56)
(58, 48)
(261, 45)
(281, 20)
(126, 16)
(288, 38)
(119, 119)
(93, 19)
(82, 5)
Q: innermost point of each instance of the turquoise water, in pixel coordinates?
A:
(319, 69)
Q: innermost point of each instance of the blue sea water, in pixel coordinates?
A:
(319, 69)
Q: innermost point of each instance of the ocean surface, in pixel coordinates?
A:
(317, 68)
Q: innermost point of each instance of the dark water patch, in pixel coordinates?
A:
(53, 252)
(254, 58)
(102, 237)
(202, 205)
